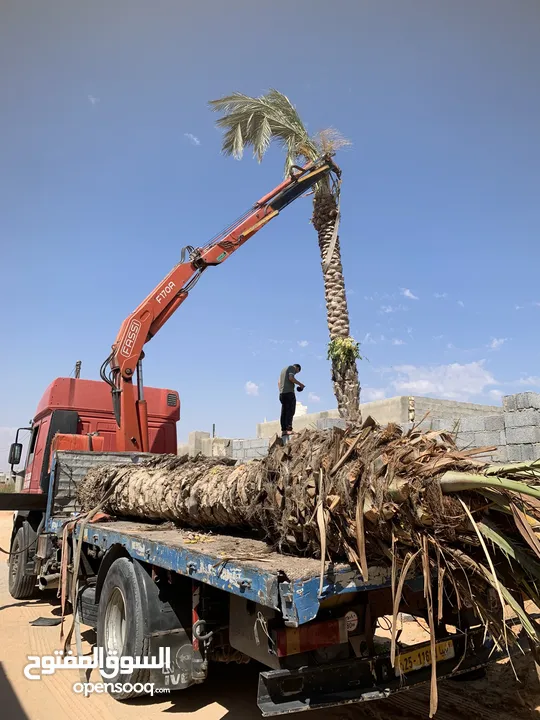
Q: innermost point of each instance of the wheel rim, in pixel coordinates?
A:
(115, 623)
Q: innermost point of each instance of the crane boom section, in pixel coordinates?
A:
(145, 321)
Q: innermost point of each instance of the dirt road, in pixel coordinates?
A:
(229, 693)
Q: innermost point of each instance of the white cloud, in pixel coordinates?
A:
(408, 294)
(251, 388)
(93, 100)
(496, 343)
(530, 380)
(454, 381)
(519, 307)
(314, 398)
(391, 308)
(440, 295)
(461, 303)
(372, 394)
(193, 139)
(303, 343)
(397, 341)
(496, 394)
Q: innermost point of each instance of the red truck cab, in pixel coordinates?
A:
(84, 407)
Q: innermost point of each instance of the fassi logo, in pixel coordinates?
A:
(130, 337)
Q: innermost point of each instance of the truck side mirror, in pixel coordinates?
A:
(15, 452)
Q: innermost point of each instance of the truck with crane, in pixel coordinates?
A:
(146, 586)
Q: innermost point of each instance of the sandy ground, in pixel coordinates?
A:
(230, 692)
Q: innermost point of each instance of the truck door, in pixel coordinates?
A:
(34, 458)
(36, 478)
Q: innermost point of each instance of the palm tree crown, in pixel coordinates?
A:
(257, 121)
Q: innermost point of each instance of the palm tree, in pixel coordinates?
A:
(257, 121)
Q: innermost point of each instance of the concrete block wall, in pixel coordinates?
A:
(522, 426)
(329, 423)
(514, 428)
(450, 409)
(201, 443)
(399, 409)
(301, 422)
(250, 449)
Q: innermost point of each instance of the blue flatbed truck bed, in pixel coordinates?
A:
(213, 597)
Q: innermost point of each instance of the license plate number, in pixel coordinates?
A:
(421, 657)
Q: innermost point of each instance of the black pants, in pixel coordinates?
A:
(288, 408)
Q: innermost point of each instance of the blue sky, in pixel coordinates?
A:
(110, 164)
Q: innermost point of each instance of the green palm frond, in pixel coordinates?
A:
(256, 121)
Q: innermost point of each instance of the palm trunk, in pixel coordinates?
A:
(280, 494)
(344, 375)
(363, 496)
(205, 492)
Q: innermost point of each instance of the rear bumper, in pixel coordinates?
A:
(353, 681)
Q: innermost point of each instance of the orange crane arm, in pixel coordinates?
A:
(125, 360)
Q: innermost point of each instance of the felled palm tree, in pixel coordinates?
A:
(257, 121)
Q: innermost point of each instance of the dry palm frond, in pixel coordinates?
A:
(368, 495)
(330, 141)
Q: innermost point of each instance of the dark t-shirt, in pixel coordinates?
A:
(285, 385)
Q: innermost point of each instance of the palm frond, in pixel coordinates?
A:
(331, 140)
(256, 121)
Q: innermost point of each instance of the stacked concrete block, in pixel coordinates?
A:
(329, 423)
(522, 425)
(479, 431)
(406, 426)
(250, 449)
(450, 409)
(195, 442)
(269, 430)
(216, 447)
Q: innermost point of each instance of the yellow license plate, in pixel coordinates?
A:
(421, 657)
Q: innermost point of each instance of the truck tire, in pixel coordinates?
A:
(21, 586)
(88, 609)
(120, 625)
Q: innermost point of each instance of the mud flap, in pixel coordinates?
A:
(179, 676)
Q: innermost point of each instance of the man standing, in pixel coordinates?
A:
(287, 397)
